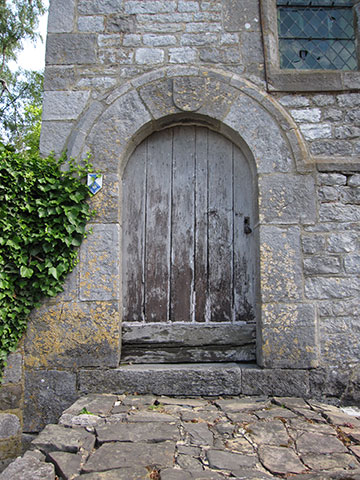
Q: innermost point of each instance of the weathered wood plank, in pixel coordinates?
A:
(182, 225)
(201, 224)
(220, 215)
(194, 334)
(244, 256)
(158, 215)
(133, 224)
(245, 353)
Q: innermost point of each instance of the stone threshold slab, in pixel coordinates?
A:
(209, 379)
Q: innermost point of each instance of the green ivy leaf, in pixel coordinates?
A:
(26, 272)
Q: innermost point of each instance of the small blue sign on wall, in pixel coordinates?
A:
(94, 182)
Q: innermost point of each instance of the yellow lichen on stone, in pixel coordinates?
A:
(61, 333)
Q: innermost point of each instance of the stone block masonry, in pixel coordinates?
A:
(329, 123)
(117, 71)
(11, 409)
(125, 38)
(332, 265)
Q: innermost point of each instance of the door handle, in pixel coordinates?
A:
(247, 229)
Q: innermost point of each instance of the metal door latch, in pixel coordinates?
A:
(247, 229)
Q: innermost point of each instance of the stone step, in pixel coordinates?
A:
(207, 379)
(183, 343)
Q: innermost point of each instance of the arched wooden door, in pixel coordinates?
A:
(188, 249)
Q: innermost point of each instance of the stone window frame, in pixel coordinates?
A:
(286, 80)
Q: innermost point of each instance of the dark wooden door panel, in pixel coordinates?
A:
(182, 219)
(220, 228)
(133, 233)
(201, 225)
(157, 226)
(187, 259)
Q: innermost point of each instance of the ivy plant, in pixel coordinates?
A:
(43, 214)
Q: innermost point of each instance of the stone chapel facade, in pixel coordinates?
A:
(224, 256)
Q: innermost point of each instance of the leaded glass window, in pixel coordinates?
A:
(316, 34)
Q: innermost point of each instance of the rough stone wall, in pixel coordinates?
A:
(330, 123)
(97, 54)
(331, 251)
(125, 38)
(95, 46)
(11, 409)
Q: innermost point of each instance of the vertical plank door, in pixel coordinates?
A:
(188, 260)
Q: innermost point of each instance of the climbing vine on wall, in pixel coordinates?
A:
(43, 214)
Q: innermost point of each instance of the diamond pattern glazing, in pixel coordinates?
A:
(316, 34)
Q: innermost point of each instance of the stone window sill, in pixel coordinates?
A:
(311, 80)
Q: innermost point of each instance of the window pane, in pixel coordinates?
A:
(318, 54)
(313, 35)
(315, 23)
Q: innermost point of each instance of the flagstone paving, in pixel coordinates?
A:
(119, 437)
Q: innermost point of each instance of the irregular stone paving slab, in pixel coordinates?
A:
(190, 402)
(123, 454)
(240, 445)
(175, 474)
(58, 438)
(132, 473)
(291, 402)
(67, 465)
(28, 467)
(229, 461)
(356, 451)
(279, 460)
(199, 434)
(342, 419)
(189, 463)
(269, 433)
(330, 462)
(207, 475)
(297, 425)
(186, 450)
(310, 442)
(311, 415)
(149, 417)
(139, 400)
(70, 420)
(242, 404)
(117, 417)
(206, 415)
(241, 417)
(323, 407)
(138, 432)
(253, 475)
(275, 412)
(329, 476)
(225, 428)
(354, 435)
(94, 403)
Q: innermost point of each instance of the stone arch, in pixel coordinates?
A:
(143, 105)
(111, 129)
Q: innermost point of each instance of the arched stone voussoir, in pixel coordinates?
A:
(114, 130)
(271, 150)
(143, 104)
(202, 94)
